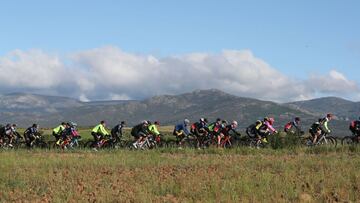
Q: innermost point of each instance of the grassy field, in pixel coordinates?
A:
(171, 175)
(295, 174)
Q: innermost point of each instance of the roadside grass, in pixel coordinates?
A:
(321, 174)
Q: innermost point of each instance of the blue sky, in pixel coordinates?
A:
(297, 38)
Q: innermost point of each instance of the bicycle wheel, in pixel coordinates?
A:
(332, 141)
(306, 142)
(348, 140)
(121, 144)
(42, 145)
(89, 144)
(189, 143)
(228, 145)
(171, 144)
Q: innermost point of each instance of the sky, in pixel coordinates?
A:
(280, 50)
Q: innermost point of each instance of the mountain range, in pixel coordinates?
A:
(25, 109)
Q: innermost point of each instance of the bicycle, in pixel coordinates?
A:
(323, 139)
(148, 142)
(350, 140)
(38, 142)
(105, 142)
(71, 142)
(188, 141)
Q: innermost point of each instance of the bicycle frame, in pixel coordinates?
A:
(322, 137)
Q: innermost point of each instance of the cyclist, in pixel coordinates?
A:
(116, 132)
(225, 131)
(293, 126)
(153, 128)
(68, 134)
(355, 128)
(98, 132)
(252, 130)
(30, 134)
(181, 130)
(315, 130)
(324, 123)
(139, 132)
(58, 131)
(8, 131)
(199, 129)
(266, 129)
(214, 128)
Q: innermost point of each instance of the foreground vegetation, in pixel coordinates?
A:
(172, 175)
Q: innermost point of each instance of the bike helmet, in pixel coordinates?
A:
(157, 123)
(73, 124)
(145, 122)
(202, 120)
(186, 121)
(329, 115)
(297, 119)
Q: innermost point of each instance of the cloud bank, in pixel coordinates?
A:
(110, 73)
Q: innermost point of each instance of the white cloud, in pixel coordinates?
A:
(332, 83)
(32, 69)
(109, 72)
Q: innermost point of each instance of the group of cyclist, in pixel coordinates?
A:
(201, 130)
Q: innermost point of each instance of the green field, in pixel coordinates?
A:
(172, 175)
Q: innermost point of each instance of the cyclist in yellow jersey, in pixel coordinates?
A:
(58, 130)
(99, 131)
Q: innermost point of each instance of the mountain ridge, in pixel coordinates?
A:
(168, 109)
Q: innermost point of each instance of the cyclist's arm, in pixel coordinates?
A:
(326, 126)
(186, 130)
(154, 131)
(272, 129)
(103, 130)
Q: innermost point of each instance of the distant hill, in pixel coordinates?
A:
(48, 111)
(171, 109)
(341, 108)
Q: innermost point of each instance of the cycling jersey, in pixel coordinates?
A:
(315, 127)
(58, 129)
(117, 129)
(139, 129)
(324, 124)
(100, 129)
(214, 127)
(292, 124)
(181, 128)
(267, 126)
(196, 127)
(355, 127)
(227, 129)
(153, 129)
(31, 131)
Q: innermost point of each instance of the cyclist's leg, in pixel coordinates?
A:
(219, 137)
(316, 136)
(357, 134)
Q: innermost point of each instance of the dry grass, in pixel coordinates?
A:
(180, 176)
